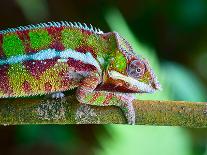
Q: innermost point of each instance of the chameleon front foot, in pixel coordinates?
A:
(57, 95)
(129, 112)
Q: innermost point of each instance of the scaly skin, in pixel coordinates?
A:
(55, 57)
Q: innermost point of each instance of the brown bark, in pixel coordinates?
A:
(69, 111)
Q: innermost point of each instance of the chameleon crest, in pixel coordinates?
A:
(54, 57)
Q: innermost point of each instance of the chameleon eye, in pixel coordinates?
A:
(136, 69)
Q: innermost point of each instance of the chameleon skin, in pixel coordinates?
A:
(58, 56)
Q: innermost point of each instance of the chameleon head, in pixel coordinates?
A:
(138, 77)
(130, 72)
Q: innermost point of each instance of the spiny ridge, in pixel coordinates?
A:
(83, 26)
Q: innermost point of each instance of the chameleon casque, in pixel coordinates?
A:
(53, 57)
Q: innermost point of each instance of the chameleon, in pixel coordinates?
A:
(53, 57)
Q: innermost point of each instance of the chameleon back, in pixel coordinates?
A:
(48, 57)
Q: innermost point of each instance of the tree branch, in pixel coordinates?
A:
(69, 111)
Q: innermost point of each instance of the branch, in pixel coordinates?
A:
(69, 111)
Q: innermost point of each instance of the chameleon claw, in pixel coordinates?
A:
(131, 119)
(58, 95)
(129, 112)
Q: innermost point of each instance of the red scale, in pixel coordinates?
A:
(37, 68)
(48, 87)
(55, 33)
(87, 32)
(80, 66)
(26, 87)
(24, 36)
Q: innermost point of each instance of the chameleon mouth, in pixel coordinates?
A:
(154, 82)
(139, 86)
(156, 85)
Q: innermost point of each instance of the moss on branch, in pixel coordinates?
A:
(69, 111)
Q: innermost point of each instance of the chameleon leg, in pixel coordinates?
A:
(87, 94)
(127, 108)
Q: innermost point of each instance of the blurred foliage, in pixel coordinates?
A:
(170, 34)
(34, 10)
(184, 85)
(146, 140)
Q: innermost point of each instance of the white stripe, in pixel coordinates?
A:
(16, 59)
(140, 85)
(86, 58)
(43, 55)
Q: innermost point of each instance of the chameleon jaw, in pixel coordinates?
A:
(139, 86)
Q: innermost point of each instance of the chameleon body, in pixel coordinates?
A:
(57, 56)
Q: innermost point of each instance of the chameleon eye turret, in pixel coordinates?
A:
(136, 69)
(53, 57)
